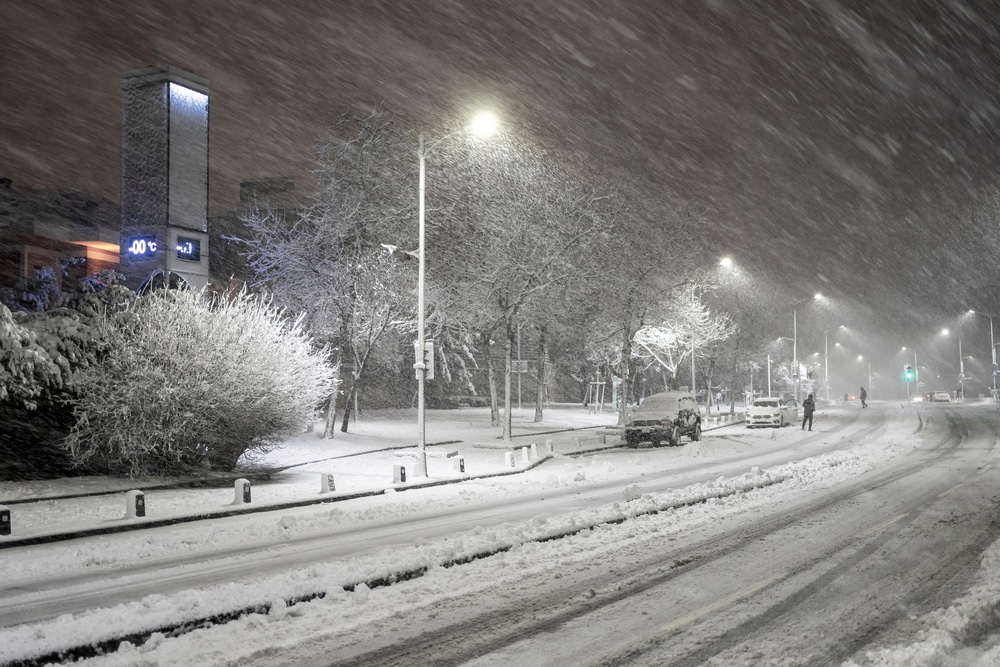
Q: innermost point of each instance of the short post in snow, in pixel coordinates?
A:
(525, 458)
(135, 504)
(241, 490)
(398, 474)
(326, 484)
(4, 520)
(548, 446)
(534, 451)
(508, 459)
(460, 464)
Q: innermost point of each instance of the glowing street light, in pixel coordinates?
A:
(482, 125)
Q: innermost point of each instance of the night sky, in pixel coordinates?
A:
(848, 147)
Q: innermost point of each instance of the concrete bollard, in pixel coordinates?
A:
(241, 489)
(534, 451)
(525, 458)
(135, 504)
(508, 459)
(326, 484)
(4, 520)
(398, 474)
(548, 446)
(460, 464)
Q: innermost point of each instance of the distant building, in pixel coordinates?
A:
(227, 263)
(56, 228)
(164, 197)
(160, 235)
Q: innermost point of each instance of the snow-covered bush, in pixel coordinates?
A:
(41, 355)
(189, 380)
(26, 368)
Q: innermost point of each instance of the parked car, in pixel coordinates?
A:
(772, 411)
(941, 397)
(664, 417)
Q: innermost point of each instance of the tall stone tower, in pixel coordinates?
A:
(164, 198)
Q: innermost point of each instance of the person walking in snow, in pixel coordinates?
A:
(808, 408)
(864, 395)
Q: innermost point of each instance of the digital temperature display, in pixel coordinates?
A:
(142, 246)
(189, 249)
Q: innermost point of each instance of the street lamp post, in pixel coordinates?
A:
(483, 125)
(419, 366)
(993, 351)
(826, 364)
(961, 372)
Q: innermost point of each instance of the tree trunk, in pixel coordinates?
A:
(331, 405)
(625, 375)
(540, 380)
(348, 402)
(351, 397)
(331, 417)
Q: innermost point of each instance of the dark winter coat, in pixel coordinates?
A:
(808, 407)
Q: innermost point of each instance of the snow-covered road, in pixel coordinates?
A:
(763, 547)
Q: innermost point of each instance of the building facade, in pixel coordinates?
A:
(164, 195)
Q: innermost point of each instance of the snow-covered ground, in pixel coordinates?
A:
(339, 600)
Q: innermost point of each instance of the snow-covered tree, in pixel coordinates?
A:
(688, 328)
(186, 381)
(516, 230)
(26, 368)
(328, 260)
(41, 356)
(652, 254)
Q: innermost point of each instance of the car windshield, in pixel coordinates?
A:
(766, 403)
(655, 404)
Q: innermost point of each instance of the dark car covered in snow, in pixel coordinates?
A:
(664, 418)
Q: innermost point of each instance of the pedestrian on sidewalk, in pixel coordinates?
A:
(808, 408)
(864, 396)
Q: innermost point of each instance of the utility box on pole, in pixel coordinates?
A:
(425, 361)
